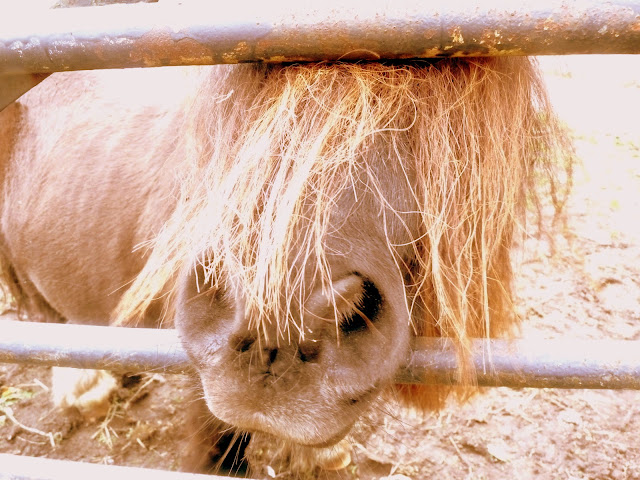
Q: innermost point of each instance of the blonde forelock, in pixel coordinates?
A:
(270, 149)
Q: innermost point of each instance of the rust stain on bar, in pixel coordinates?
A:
(160, 48)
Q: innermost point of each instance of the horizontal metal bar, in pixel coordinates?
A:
(534, 363)
(598, 364)
(88, 346)
(148, 35)
(15, 467)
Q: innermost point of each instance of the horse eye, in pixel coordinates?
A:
(365, 310)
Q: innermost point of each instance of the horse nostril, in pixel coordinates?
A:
(241, 343)
(309, 351)
(273, 353)
(365, 312)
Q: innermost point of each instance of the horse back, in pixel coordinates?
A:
(88, 164)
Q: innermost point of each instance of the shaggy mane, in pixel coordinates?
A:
(272, 149)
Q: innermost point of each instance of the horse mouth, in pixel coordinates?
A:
(353, 400)
(334, 440)
(362, 397)
(304, 440)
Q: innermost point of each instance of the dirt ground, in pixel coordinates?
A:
(589, 289)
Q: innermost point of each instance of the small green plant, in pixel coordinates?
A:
(12, 395)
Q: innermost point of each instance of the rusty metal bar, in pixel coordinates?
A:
(560, 363)
(201, 32)
(15, 467)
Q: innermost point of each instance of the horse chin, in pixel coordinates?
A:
(331, 441)
(319, 426)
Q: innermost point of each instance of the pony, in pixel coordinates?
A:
(301, 225)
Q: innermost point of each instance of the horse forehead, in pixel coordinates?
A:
(375, 215)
